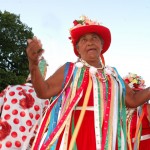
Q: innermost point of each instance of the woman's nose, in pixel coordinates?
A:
(89, 42)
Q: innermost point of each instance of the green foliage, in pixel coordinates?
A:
(13, 42)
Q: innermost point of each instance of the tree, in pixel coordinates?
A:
(13, 42)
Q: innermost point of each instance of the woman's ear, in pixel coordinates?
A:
(77, 48)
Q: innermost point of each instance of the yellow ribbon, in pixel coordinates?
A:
(86, 99)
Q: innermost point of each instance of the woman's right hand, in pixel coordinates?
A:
(34, 51)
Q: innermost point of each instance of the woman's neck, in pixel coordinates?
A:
(92, 63)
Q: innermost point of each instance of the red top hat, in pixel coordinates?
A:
(84, 26)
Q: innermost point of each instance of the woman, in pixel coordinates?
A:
(92, 96)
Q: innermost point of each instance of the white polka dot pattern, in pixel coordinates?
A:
(20, 109)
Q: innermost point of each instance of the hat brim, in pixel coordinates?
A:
(104, 32)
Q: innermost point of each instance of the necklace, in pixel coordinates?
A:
(102, 77)
(88, 65)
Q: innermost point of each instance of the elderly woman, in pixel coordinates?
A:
(92, 97)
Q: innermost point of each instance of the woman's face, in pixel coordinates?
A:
(89, 46)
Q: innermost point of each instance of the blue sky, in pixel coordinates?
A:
(128, 21)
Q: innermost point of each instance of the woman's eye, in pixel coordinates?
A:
(83, 40)
(95, 37)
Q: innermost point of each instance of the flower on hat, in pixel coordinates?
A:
(134, 81)
(83, 21)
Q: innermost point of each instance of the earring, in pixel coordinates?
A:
(79, 55)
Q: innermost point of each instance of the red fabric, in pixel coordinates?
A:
(86, 134)
(145, 109)
(144, 144)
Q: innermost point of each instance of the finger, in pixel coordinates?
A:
(40, 51)
(29, 41)
(40, 44)
(39, 41)
(34, 38)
